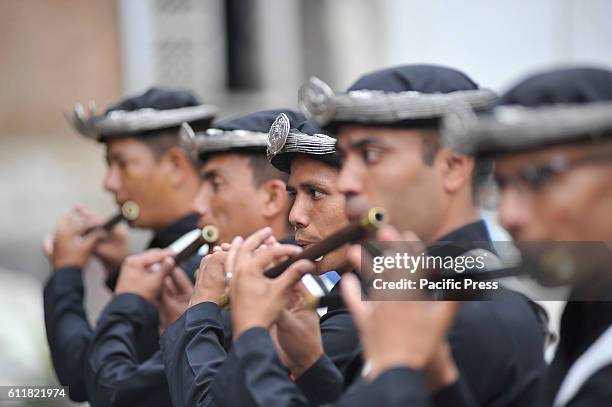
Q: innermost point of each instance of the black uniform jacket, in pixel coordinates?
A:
(81, 355)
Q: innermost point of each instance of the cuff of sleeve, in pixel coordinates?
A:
(410, 381)
(456, 394)
(66, 277)
(132, 306)
(253, 340)
(203, 313)
(322, 382)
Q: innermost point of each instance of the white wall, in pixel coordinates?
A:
(497, 42)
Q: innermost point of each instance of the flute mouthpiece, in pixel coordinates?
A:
(210, 234)
(374, 218)
(130, 210)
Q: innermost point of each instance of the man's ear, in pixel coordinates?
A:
(179, 165)
(457, 169)
(275, 198)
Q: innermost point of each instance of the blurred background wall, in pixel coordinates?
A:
(241, 55)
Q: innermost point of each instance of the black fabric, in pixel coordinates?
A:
(568, 86)
(157, 98)
(581, 325)
(113, 374)
(67, 327)
(70, 335)
(417, 78)
(166, 237)
(497, 345)
(258, 121)
(202, 371)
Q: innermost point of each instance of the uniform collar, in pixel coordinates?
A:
(177, 229)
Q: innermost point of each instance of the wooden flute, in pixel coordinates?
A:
(129, 212)
(209, 234)
(354, 232)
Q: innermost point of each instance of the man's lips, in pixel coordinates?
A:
(306, 244)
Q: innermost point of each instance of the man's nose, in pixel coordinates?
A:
(201, 202)
(349, 180)
(112, 181)
(297, 216)
(513, 211)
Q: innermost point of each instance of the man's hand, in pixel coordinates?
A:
(210, 279)
(396, 333)
(441, 370)
(114, 247)
(297, 334)
(143, 274)
(70, 249)
(256, 299)
(174, 297)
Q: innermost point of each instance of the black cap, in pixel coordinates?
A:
(143, 115)
(408, 96)
(560, 106)
(242, 133)
(157, 98)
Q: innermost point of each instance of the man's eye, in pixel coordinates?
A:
(371, 156)
(215, 183)
(500, 182)
(316, 194)
(537, 177)
(291, 194)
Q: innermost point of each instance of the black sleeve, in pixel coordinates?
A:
(396, 387)
(456, 394)
(68, 330)
(114, 375)
(266, 380)
(267, 384)
(193, 352)
(596, 391)
(340, 363)
(506, 334)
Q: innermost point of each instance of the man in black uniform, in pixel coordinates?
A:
(551, 135)
(145, 165)
(241, 192)
(388, 136)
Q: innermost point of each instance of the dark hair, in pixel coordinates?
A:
(161, 141)
(483, 167)
(263, 171)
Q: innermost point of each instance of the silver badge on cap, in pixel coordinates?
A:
(316, 100)
(187, 139)
(277, 137)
